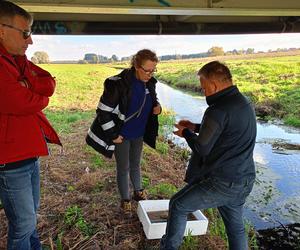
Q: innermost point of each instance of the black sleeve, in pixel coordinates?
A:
(197, 128)
(210, 130)
(108, 108)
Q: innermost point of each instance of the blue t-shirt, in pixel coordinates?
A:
(135, 127)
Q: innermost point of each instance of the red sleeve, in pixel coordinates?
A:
(16, 99)
(40, 81)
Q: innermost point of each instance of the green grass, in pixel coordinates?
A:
(63, 120)
(273, 82)
(78, 87)
(165, 190)
(77, 93)
(59, 245)
(216, 227)
(74, 217)
(162, 147)
(166, 122)
(146, 181)
(98, 161)
(190, 242)
(252, 241)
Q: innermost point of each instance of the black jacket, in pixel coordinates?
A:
(224, 146)
(111, 111)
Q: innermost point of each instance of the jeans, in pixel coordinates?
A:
(228, 197)
(20, 194)
(128, 157)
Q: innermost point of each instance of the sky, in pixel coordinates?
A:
(75, 47)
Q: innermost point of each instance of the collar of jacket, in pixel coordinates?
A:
(12, 59)
(127, 75)
(219, 95)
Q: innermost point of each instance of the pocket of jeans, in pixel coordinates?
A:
(1, 181)
(226, 188)
(249, 188)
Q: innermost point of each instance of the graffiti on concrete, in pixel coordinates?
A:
(44, 27)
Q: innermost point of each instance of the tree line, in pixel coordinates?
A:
(213, 51)
(92, 58)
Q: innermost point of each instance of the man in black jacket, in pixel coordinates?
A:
(221, 170)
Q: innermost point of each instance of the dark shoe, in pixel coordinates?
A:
(126, 207)
(140, 195)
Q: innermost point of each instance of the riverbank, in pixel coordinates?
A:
(272, 83)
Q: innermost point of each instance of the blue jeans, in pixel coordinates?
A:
(228, 197)
(20, 194)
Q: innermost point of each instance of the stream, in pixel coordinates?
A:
(275, 199)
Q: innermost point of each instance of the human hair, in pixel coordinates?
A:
(216, 70)
(9, 10)
(143, 55)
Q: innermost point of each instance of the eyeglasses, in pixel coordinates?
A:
(26, 33)
(149, 72)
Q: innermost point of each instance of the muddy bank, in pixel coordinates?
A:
(283, 237)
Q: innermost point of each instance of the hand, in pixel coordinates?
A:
(179, 131)
(118, 140)
(24, 83)
(187, 124)
(157, 109)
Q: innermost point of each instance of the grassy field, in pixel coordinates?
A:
(77, 92)
(272, 83)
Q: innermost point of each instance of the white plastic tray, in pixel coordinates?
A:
(157, 230)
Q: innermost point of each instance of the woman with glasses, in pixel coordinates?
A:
(127, 116)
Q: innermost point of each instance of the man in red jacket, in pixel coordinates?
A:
(24, 130)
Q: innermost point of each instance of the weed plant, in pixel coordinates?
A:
(74, 217)
(190, 242)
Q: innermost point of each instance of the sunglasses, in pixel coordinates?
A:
(26, 34)
(149, 72)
